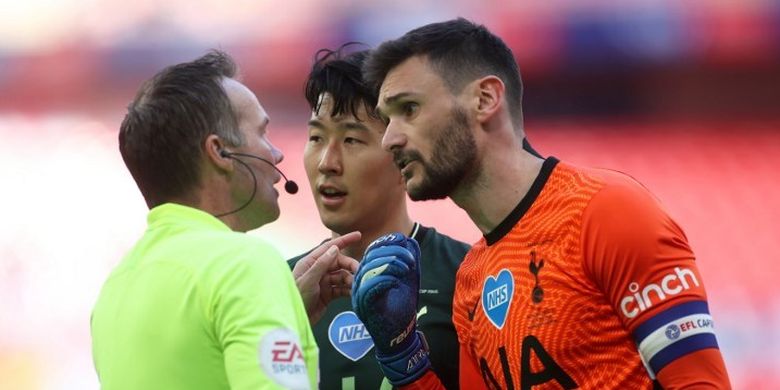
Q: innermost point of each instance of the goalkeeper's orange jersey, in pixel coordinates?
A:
(588, 283)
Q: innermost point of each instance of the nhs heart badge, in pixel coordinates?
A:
(497, 297)
(349, 336)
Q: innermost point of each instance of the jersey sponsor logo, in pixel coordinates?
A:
(286, 352)
(644, 298)
(281, 358)
(546, 370)
(349, 336)
(497, 292)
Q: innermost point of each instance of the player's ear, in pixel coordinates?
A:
(488, 97)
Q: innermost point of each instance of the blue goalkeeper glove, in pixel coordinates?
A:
(384, 297)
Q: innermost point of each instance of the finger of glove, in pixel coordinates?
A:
(365, 295)
(386, 307)
(385, 297)
(399, 252)
(389, 288)
(388, 239)
(396, 239)
(388, 265)
(392, 250)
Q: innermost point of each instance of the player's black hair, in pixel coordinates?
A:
(338, 72)
(459, 50)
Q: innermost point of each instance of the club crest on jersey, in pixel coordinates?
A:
(497, 297)
(537, 294)
(349, 336)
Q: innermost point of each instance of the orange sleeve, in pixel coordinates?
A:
(640, 259)
(630, 243)
(470, 377)
(703, 369)
(429, 381)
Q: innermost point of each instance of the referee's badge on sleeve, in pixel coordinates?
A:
(281, 358)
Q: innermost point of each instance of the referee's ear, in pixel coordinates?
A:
(216, 154)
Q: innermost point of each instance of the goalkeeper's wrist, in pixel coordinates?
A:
(408, 365)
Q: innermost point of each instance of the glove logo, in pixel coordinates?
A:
(349, 336)
(497, 293)
(392, 237)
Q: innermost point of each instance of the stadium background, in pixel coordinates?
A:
(683, 95)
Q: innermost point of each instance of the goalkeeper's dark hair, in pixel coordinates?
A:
(338, 73)
(459, 51)
(161, 137)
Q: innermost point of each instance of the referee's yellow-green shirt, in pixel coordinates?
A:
(195, 305)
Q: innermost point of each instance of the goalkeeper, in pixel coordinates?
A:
(581, 279)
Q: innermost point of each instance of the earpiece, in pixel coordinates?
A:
(290, 186)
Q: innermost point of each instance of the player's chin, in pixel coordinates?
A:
(420, 191)
(271, 211)
(425, 188)
(413, 182)
(337, 221)
(260, 217)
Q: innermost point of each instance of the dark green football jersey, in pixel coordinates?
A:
(347, 358)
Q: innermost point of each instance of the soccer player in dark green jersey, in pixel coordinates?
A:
(356, 186)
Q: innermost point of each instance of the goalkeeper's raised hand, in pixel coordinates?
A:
(384, 297)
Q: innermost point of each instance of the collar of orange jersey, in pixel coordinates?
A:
(519, 211)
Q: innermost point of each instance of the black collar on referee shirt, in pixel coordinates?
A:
(536, 188)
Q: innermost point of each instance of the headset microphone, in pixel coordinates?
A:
(289, 185)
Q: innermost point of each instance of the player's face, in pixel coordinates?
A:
(253, 123)
(427, 130)
(355, 184)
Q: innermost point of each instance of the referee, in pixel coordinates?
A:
(196, 303)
